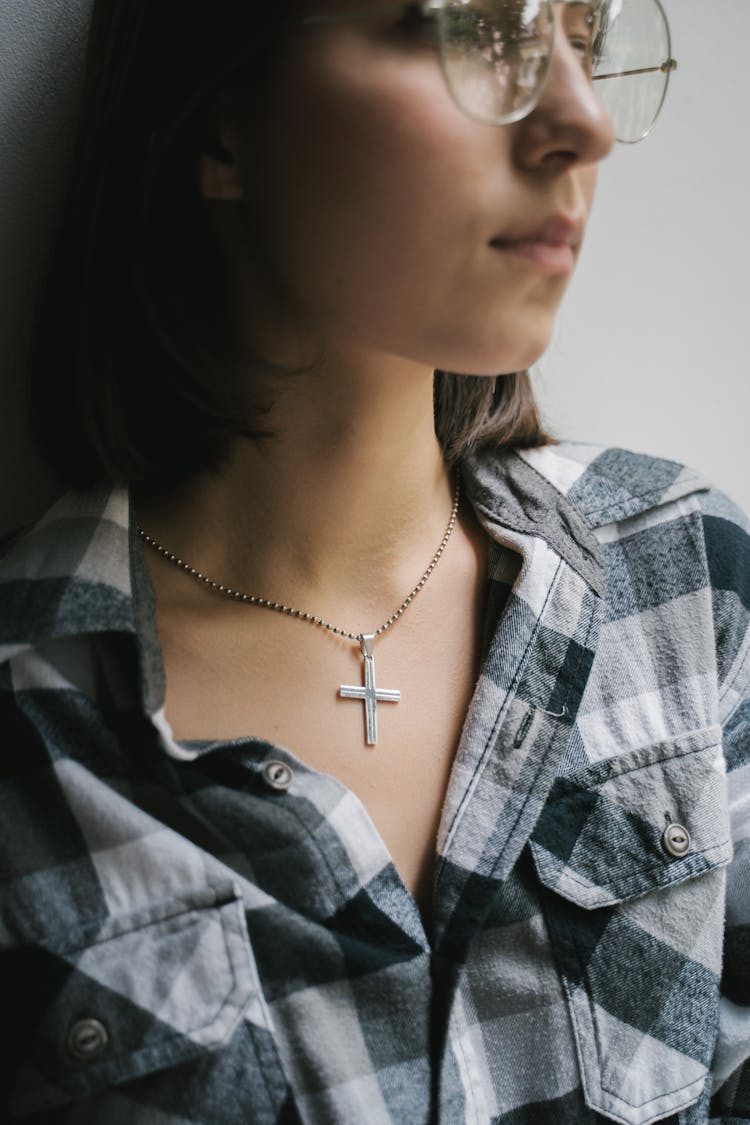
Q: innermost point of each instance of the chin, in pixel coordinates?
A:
(512, 341)
(528, 346)
(503, 360)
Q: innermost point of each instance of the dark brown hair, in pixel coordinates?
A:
(130, 376)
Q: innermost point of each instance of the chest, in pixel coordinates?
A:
(265, 676)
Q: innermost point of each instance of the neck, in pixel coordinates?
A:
(344, 505)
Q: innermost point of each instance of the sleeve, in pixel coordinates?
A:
(727, 537)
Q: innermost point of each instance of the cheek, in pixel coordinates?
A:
(375, 199)
(368, 178)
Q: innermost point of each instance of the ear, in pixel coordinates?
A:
(219, 168)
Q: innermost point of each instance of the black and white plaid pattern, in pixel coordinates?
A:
(183, 943)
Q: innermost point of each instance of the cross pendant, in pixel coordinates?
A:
(369, 694)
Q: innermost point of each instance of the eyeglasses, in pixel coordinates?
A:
(496, 54)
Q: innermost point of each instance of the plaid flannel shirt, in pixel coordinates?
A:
(188, 936)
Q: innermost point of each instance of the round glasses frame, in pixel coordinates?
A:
(432, 9)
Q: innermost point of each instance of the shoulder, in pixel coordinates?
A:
(624, 494)
(67, 573)
(608, 484)
(66, 677)
(672, 544)
(595, 497)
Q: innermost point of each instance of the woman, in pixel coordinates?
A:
(248, 876)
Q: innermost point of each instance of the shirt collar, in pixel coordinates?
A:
(507, 491)
(80, 569)
(72, 572)
(69, 574)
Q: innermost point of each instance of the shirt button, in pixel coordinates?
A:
(676, 840)
(277, 775)
(87, 1040)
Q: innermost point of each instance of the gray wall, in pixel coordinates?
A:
(40, 60)
(649, 351)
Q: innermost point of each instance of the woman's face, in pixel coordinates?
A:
(396, 223)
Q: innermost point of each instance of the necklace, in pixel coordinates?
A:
(369, 693)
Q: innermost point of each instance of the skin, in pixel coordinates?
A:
(372, 201)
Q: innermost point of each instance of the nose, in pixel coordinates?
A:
(569, 125)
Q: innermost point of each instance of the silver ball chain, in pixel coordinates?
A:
(255, 599)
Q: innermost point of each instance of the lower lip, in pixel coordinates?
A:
(556, 258)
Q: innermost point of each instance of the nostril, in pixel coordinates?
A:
(559, 160)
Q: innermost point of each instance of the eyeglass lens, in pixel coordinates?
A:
(633, 66)
(496, 55)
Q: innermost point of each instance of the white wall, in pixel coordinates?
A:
(650, 347)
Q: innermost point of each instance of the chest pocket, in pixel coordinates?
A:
(630, 853)
(144, 993)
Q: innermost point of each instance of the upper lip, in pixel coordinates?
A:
(556, 230)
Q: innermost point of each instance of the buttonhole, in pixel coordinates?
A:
(523, 729)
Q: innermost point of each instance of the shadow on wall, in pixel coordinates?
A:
(41, 55)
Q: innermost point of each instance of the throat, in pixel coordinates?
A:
(340, 531)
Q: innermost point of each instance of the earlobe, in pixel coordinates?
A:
(219, 172)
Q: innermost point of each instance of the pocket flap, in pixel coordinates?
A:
(143, 993)
(600, 837)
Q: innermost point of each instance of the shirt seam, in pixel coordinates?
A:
(660, 497)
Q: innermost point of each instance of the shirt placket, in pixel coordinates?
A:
(517, 733)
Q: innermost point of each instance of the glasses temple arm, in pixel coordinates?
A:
(665, 68)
